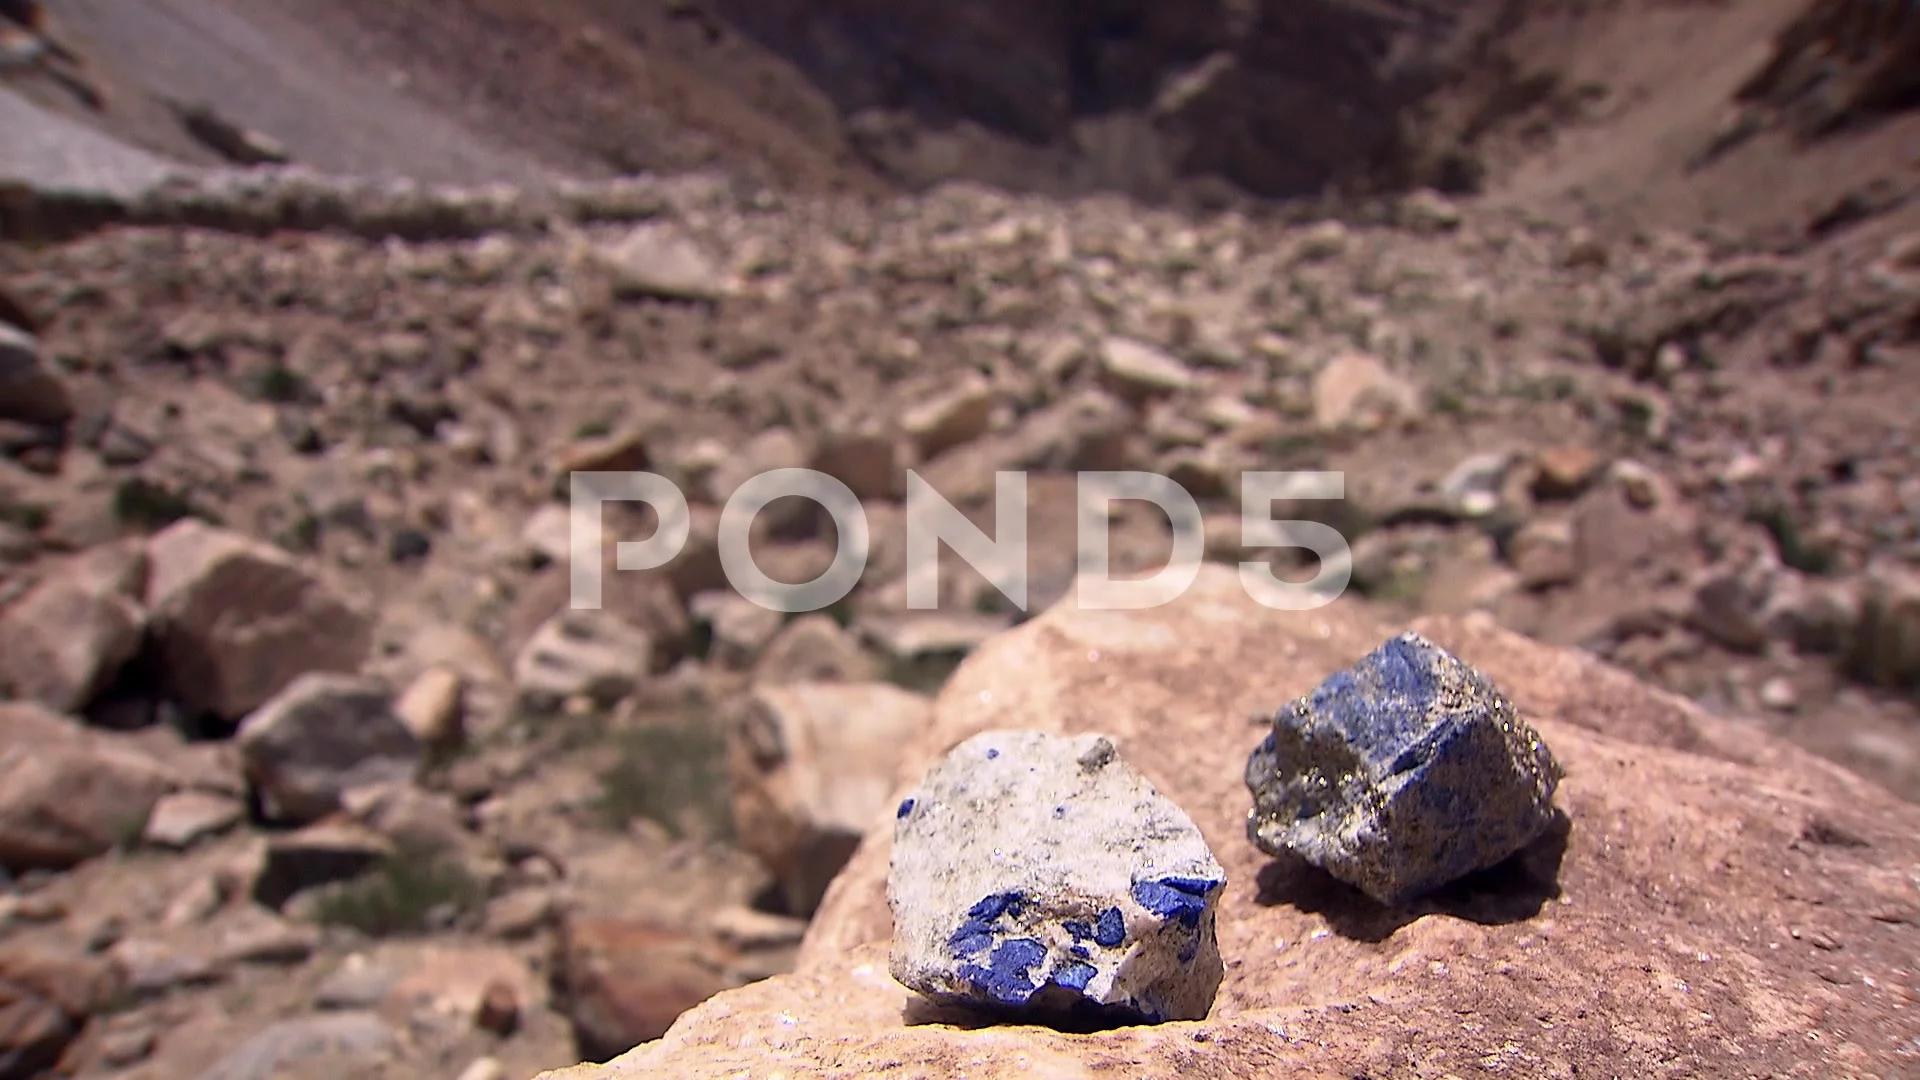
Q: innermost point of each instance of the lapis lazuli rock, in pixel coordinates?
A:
(1401, 774)
(1039, 877)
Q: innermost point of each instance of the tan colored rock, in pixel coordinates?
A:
(431, 707)
(454, 987)
(1357, 391)
(814, 648)
(1903, 251)
(591, 654)
(184, 818)
(1543, 552)
(46, 998)
(238, 621)
(921, 635)
(649, 600)
(774, 448)
(548, 534)
(811, 767)
(68, 794)
(63, 642)
(1138, 371)
(1702, 854)
(620, 451)
(866, 458)
(740, 627)
(659, 260)
(1564, 472)
(1090, 429)
(621, 984)
(957, 415)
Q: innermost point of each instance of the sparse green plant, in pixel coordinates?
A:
(302, 536)
(1447, 401)
(405, 893)
(29, 516)
(593, 429)
(142, 503)
(281, 385)
(1299, 449)
(670, 772)
(1794, 548)
(923, 674)
(127, 833)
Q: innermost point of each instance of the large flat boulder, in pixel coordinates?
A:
(1722, 904)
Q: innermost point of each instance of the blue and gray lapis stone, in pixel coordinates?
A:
(1040, 878)
(1401, 774)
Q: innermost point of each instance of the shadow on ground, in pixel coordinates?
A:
(1513, 891)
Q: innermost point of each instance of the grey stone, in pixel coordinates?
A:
(658, 259)
(1472, 488)
(587, 653)
(322, 737)
(291, 1042)
(1401, 774)
(153, 968)
(357, 984)
(28, 391)
(1039, 876)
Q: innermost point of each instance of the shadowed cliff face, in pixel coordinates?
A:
(1277, 97)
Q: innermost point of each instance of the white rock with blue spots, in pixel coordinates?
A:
(1041, 878)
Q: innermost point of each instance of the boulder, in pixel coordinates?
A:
(1655, 934)
(63, 642)
(238, 621)
(322, 737)
(811, 767)
(67, 793)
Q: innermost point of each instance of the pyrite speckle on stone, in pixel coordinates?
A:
(1038, 876)
(1401, 774)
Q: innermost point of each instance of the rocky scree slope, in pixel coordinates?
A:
(1690, 458)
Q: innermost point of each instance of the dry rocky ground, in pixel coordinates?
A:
(306, 769)
(235, 462)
